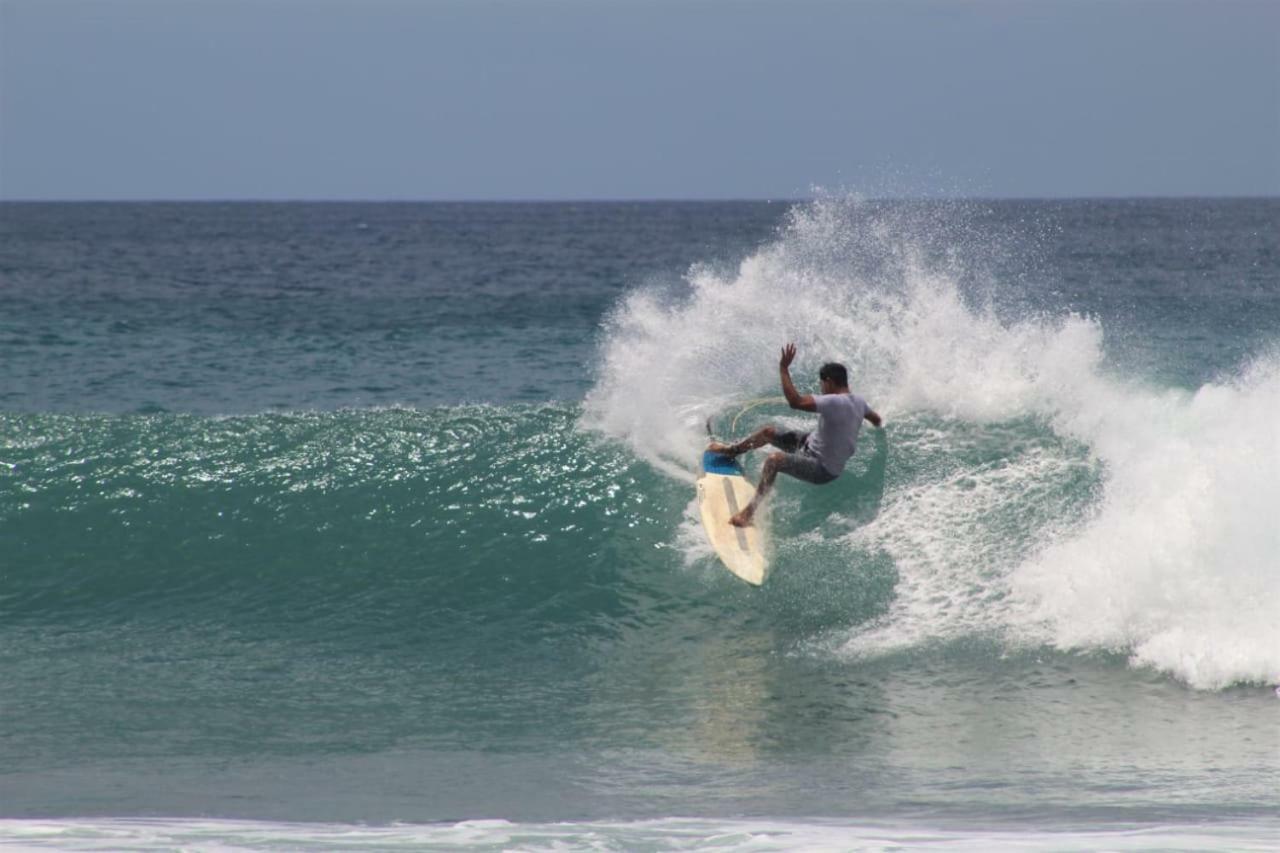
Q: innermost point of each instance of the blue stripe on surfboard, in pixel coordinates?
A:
(718, 463)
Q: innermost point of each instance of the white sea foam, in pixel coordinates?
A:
(1180, 565)
(675, 833)
(1176, 561)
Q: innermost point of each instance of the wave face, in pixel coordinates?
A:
(384, 518)
(1036, 493)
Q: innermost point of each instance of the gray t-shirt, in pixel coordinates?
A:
(839, 420)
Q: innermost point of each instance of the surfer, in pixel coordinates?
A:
(816, 457)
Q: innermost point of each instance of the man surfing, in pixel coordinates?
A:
(816, 457)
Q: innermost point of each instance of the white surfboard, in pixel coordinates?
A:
(722, 492)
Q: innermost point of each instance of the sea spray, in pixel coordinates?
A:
(1110, 514)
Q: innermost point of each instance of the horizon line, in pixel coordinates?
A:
(640, 199)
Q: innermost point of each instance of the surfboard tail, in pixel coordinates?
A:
(740, 549)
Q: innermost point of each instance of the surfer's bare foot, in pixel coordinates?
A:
(723, 449)
(742, 519)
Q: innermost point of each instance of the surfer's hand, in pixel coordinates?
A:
(788, 356)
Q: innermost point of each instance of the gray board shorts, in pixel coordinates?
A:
(800, 461)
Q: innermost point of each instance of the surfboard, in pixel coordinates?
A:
(723, 490)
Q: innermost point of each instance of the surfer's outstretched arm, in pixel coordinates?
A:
(874, 418)
(796, 400)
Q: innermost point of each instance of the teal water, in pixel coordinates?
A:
(383, 513)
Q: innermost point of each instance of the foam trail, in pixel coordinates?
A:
(1100, 514)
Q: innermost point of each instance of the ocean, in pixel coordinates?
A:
(372, 526)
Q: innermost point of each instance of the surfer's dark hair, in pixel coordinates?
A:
(836, 372)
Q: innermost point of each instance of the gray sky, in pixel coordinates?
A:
(545, 99)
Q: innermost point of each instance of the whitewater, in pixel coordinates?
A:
(1171, 558)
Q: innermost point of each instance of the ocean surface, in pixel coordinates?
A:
(338, 526)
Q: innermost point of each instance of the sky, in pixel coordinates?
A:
(637, 99)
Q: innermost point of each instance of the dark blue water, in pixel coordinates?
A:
(219, 308)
